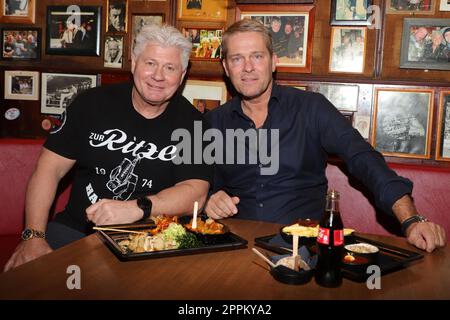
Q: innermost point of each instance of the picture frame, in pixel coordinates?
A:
(21, 43)
(117, 16)
(444, 5)
(212, 93)
(17, 11)
(443, 129)
(347, 49)
(206, 42)
(21, 85)
(344, 97)
(401, 122)
(137, 21)
(362, 124)
(407, 7)
(419, 49)
(114, 51)
(350, 12)
(202, 10)
(71, 32)
(295, 54)
(58, 90)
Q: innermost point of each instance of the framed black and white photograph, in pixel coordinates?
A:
(73, 30)
(402, 122)
(17, 11)
(444, 5)
(347, 49)
(113, 52)
(21, 43)
(362, 124)
(202, 10)
(292, 29)
(59, 90)
(22, 85)
(343, 96)
(139, 20)
(410, 6)
(206, 42)
(350, 12)
(443, 131)
(117, 16)
(425, 44)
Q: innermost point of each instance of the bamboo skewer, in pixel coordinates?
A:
(119, 230)
(263, 257)
(194, 218)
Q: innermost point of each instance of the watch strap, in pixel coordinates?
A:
(145, 204)
(409, 221)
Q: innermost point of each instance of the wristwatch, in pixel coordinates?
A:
(413, 219)
(145, 204)
(28, 234)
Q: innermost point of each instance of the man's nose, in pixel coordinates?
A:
(158, 73)
(248, 65)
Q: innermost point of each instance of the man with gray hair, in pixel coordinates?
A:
(119, 138)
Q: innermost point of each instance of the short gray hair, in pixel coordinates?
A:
(166, 36)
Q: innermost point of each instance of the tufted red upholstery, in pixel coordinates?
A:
(17, 162)
(430, 193)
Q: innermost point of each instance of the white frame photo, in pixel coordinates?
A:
(445, 5)
(51, 101)
(11, 93)
(207, 90)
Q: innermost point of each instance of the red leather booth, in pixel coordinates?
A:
(431, 187)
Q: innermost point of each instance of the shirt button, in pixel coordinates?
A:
(261, 205)
(251, 124)
(262, 185)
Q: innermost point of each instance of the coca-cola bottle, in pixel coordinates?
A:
(330, 244)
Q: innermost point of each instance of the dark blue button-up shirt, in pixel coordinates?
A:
(310, 128)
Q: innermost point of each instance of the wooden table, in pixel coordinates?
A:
(236, 274)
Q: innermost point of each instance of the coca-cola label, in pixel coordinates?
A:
(338, 237)
(324, 236)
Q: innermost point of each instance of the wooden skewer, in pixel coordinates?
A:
(194, 218)
(119, 230)
(264, 257)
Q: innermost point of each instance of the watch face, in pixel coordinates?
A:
(27, 234)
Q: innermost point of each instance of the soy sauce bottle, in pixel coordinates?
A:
(330, 244)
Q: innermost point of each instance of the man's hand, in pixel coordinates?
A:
(107, 211)
(220, 205)
(426, 236)
(27, 251)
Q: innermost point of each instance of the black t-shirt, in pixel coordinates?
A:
(120, 154)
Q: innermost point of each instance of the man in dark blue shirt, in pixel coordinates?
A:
(306, 127)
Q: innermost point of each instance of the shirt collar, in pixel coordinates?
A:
(275, 96)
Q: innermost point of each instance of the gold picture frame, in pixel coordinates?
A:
(443, 129)
(202, 10)
(25, 15)
(402, 122)
(347, 53)
(393, 7)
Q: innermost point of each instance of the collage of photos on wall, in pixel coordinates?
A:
(420, 118)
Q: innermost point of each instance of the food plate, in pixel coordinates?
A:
(229, 241)
(390, 258)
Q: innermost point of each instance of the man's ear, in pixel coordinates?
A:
(274, 63)
(182, 76)
(133, 63)
(224, 64)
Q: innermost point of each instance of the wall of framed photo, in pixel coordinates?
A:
(361, 54)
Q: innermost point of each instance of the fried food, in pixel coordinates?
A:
(206, 227)
(303, 231)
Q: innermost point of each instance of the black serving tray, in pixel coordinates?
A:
(390, 258)
(229, 241)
